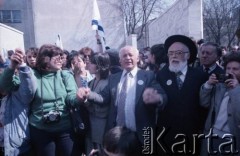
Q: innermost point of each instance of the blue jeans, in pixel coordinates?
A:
(53, 143)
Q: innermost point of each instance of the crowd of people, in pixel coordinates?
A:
(184, 91)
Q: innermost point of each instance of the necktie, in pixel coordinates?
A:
(122, 101)
(179, 81)
(206, 70)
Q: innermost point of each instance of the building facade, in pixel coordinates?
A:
(42, 20)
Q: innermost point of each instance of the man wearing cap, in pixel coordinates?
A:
(182, 115)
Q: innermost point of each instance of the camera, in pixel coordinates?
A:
(223, 77)
(52, 116)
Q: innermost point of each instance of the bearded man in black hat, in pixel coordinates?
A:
(182, 116)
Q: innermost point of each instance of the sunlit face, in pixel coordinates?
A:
(55, 63)
(31, 59)
(208, 55)
(224, 52)
(92, 68)
(233, 67)
(77, 62)
(178, 54)
(64, 60)
(87, 55)
(129, 58)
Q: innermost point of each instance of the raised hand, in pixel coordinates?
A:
(232, 82)
(17, 58)
(212, 80)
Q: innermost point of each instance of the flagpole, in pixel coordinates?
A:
(100, 44)
(96, 25)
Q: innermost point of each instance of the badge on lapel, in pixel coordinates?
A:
(140, 82)
(169, 82)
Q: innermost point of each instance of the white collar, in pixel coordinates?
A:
(133, 71)
(184, 70)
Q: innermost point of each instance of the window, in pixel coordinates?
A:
(10, 16)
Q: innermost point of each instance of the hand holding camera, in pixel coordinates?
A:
(17, 58)
(223, 77)
(232, 82)
(212, 80)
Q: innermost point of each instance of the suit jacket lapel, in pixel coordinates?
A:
(140, 85)
(115, 81)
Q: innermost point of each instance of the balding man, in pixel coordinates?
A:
(132, 94)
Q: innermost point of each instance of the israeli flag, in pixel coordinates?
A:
(96, 22)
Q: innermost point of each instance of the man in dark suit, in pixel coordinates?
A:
(132, 94)
(209, 54)
(181, 118)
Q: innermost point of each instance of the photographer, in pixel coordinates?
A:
(50, 125)
(15, 105)
(221, 94)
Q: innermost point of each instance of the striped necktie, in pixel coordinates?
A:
(179, 81)
(122, 101)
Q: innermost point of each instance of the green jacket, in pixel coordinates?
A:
(7, 85)
(58, 87)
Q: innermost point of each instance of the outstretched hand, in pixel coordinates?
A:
(151, 96)
(83, 93)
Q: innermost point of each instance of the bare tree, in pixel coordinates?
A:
(221, 20)
(137, 13)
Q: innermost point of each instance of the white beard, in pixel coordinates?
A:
(177, 67)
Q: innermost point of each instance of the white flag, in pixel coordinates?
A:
(59, 42)
(97, 24)
(4, 54)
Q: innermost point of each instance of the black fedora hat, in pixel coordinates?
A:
(186, 41)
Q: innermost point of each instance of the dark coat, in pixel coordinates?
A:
(182, 114)
(217, 70)
(145, 114)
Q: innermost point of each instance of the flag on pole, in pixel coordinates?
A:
(97, 24)
(5, 59)
(59, 42)
(4, 53)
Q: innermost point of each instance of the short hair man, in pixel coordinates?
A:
(209, 54)
(132, 94)
(182, 114)
(222, 97)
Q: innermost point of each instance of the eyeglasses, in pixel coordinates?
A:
(57, 58)
(177, 53)
(85, 56)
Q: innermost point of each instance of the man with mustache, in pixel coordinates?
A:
(182, 116)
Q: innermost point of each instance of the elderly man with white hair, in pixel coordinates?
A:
(132, 94)
(182, 114)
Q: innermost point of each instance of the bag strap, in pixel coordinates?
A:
(73, 109)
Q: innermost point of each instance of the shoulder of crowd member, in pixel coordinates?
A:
(9, 81)
(200, 75)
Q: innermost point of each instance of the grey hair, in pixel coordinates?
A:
(128, 47)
